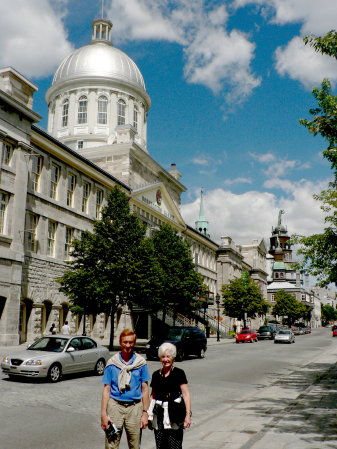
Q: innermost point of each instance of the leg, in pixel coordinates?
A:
(175, 439)
(116, 413)
(132, 425)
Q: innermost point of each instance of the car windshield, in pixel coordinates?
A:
(246, 332)
(284, 332)
(264, 329)
(175, 333)
(49, 344)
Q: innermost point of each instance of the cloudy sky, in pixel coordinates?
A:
(229, 81)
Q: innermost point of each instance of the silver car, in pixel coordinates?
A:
(55, 355)
(284, 336)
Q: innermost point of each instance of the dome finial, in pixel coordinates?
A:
(101, 30)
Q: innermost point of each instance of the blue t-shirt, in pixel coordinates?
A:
(138, 376)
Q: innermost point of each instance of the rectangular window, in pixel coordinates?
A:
(68, 242)
(71, 189)
(30, 232)
(4, 197)
(8, 153)
(273, 297)
(82, 110)
(51, 237)
(36, 172)
(54, 179)
(135, 118)
(79, 144)
(85, 198)
(102, 113)
(65, 112)
(99, 201)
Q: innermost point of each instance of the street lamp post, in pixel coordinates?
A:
(217, 300)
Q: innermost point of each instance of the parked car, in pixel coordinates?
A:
(189, 340)
(266, 332)
(56, 355)
(284, 336)
(246, 335)
(334, 332)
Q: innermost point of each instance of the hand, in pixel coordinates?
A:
(144, 420)
(105, 420)
(187, 422)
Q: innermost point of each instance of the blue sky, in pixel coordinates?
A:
(228, 80)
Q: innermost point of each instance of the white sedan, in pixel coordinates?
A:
(284, 336)
(56, 355)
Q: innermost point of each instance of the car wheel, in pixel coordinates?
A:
(180, 355)
(99, 367)
(55, 373)
(202, 353)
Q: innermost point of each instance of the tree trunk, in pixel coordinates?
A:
(112, 328)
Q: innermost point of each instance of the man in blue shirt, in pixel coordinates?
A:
(125, 397)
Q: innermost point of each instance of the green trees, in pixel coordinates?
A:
(319, 251)
(117, 264)
(242, 299)
(288, 306)
(328, 314)
(180, 283)
(114, 264)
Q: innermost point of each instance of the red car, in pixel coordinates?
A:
(334, 331)
(246, 335)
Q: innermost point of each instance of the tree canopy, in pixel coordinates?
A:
(180, 282)
(243, 298)
(288, 306)
(328, 313)
(114, 264)
(319, 251)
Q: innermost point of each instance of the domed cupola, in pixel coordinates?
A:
(98, 95)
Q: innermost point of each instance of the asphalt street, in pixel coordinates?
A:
(240, 393)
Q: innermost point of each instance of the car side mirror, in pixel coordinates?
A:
(71, 349)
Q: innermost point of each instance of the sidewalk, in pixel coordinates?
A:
(297, 412)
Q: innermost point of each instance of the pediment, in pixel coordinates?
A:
(156, 199)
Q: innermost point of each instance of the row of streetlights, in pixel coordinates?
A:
(217, 300)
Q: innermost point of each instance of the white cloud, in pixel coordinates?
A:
(32, 36)
(252, 214)
(302, 63)
(296, 60)
(201, 160)
(214, 57)
(277, 166)
(238, 180)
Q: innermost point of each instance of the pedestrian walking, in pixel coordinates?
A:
(65, 330)
(52, 329)
(170, 408)
(125, 397)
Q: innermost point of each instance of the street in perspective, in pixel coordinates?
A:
(247, 396)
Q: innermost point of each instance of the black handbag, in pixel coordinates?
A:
(177, 411)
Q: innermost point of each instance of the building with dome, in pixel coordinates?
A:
(53, 184)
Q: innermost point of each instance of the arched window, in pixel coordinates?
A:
(102, 114)
(121, 108)
(82, 110)
(65, 111)
(135, 117)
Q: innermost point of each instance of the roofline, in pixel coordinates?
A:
(29, 113)
(79, 156)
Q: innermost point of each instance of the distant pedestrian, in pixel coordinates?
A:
(52, 330)
(170, 409)
(65, 330)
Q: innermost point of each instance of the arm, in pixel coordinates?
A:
(145, 403)
(105, 418)
(187, 399)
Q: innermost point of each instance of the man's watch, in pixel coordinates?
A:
(189, 413)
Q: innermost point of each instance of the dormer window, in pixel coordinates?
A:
(121, 109)
(82, 110)
(102, 114)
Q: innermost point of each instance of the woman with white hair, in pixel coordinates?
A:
(170, 409)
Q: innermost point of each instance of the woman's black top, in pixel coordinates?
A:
(165, 388)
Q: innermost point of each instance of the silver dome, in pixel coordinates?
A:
(102, 60)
